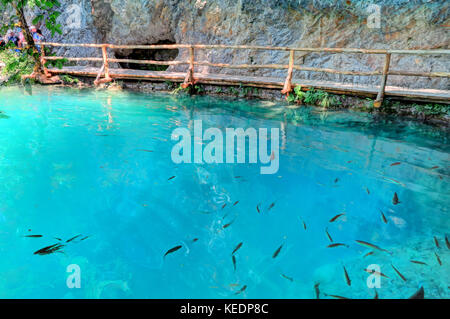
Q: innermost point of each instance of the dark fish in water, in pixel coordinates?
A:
(237, 248)
(367, 190)
(84, 238)
(257, 208)
(33, 236)
(398, 273)
(368, 254)
(436, 242)
(304, 224)
(375, 273)
(438, 259)
(434, 167)
(235, 203)
(336, 180)
(172, 177)
(233, 258)
(347, 278)
(224, 205)
(336, 217)
(194, 240)
(420, 294)
(447, 242)
(227, 225)
(376, 294)
(49, 249)
(317, 290)
(364, 243)
(384, 217)
(395, 164)
(336, 245)
(395, 200)
(148, 151)
(171, 250)
(329, 237)
(271, 206)
(335, 296)
(238, 177)
(57, 238)
(275, 254)
(75, 237)
(418, 262)
(288, 278)
(241, 290)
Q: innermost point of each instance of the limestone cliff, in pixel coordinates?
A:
(403, 24)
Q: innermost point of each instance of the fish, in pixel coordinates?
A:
(317, 290)
(419, 294)
(235, 203)
(148, 151)
(336, 180)
(227, 225)
(336, 245)
(194, 240)
(57, 238)
(336, 217)
(395, 164)
(384, 217)
(347, 278)
(288, 278)
(75, 237)
(364, 243)
(395, 200)
(257, 208)
(368, 191)
(33, 236)
(375, 273)
(238, 177)
(233, 258)
(434, 167)
(241, 290)
(237, 247)
(49, 249)
(271, 206)
(172, 177)
(418, 262)
(329, 237)
(84, 238)
(171, 250)
(336, 296)
(447, 242)
(224, 205)
(438, 259)
(436, 242)
(398, 273)
(304, 225)
(275, 254)
(368, 254)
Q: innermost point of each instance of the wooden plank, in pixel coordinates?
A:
(426, 95)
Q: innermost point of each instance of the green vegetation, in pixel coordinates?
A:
(67, 79)
(424, 109)
(313, 97)
(16, 65)
(48, 16)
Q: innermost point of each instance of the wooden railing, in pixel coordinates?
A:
(189, 79)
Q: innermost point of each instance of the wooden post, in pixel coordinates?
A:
(288, 83)
(105, 67)
(43, 61)
(384, 77)
(189, 79)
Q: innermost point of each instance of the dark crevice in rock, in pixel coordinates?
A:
(144, 54)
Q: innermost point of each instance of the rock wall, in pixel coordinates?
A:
(404, 24)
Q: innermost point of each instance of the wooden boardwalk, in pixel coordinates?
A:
(424, 95)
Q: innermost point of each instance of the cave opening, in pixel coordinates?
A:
(145, 54)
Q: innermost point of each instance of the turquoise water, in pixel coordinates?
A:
(79, 162)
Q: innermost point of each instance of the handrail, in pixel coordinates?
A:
(189, 79)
